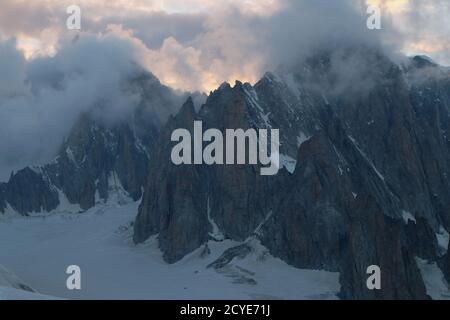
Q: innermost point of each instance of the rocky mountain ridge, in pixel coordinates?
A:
(97, 156)
(370, 184)
(363, 181)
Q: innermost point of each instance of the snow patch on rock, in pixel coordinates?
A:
(435, 283)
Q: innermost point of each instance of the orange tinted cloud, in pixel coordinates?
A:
(393, 6)
(222, 46)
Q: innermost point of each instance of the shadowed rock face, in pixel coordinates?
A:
(93, 156)
(322, 223)
(92, 160)
(2, 197)
(173, 205)
(180, 201)
(366, 159)
(27, 191)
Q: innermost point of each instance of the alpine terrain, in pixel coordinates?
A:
(364, 180)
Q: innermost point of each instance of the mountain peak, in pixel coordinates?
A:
(188, 109)
(422, 61)
(224, 86)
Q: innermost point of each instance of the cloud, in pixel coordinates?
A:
(421, 27)
(45, 96)
(235, 43)
(217, 41)
(12, 66)
(229, 40)
(46, 79)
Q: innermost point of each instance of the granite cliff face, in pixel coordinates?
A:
(181, 228)
(370, 185)
(191, 199)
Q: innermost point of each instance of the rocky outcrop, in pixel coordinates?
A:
(229, 255)
(28, 191)
(173, 206)
(182, 203)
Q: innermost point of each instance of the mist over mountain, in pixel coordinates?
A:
(43, 98)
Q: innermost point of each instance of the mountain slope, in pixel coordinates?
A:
(99, 154)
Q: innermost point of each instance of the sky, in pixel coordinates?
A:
(50, 74)
(198, 44)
